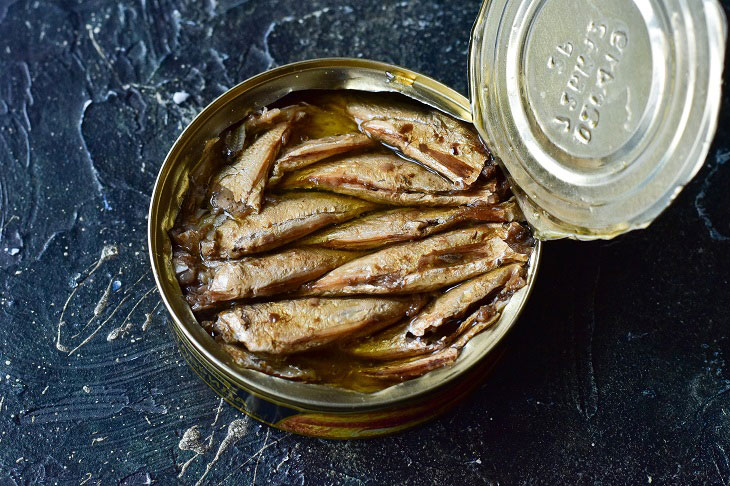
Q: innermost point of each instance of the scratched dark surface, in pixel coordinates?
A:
(617, 372)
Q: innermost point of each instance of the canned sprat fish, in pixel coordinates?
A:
(353, 264)
(578, 152)
(298, 406)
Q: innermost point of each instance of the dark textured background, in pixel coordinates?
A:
(616, 373)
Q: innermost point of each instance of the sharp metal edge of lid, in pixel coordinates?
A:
(600, 111)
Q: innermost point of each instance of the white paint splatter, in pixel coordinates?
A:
(10, 220)
(258, 459)
(191, 441)
(254, 456)
(236, 430)
(180, 97)
(91, 336)
(126, 323)
(109, 251)
(217, 413)
(148, 317)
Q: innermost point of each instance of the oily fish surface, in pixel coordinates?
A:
(432, 138)
(321, 255)
(297, 325)
(381, 228)
(268, 275)
(282, 220)
(422, 266)
(388, 179)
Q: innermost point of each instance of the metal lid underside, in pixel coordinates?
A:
(600, 111)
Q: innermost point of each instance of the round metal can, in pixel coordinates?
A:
(312, 409)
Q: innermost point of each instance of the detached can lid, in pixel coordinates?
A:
(601, 111)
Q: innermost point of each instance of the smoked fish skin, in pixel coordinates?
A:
(239, 188)
(446, 350)
(422, 266)
(404, 224)
(350, 239)
(316, 150)
(246, 359)
(392, 343)
(398, 342)
(261, 276)
(388, 179)
(297, 325)
(434, 139)
(457, 301)
(282, 220)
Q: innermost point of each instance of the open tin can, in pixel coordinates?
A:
(598, 118)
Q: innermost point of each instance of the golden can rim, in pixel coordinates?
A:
(327, 73)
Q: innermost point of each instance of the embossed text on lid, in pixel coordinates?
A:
(601, 111)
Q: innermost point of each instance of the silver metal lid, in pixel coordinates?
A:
(601, 110)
